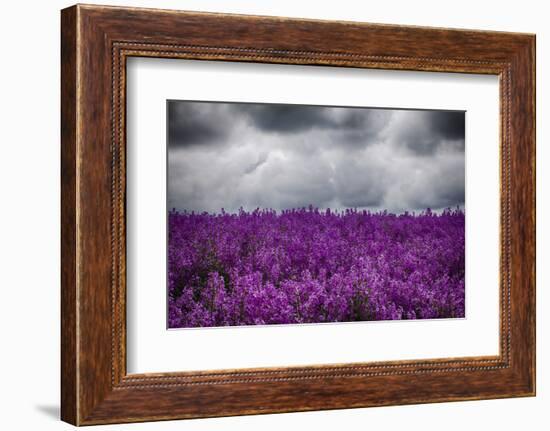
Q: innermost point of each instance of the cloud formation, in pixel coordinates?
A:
(232, 155)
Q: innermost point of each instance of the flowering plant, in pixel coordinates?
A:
(310, 266)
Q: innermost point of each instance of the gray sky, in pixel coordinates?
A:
(231, 155)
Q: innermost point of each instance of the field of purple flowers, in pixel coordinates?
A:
(310, 266)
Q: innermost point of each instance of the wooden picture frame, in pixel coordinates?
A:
(95, 43)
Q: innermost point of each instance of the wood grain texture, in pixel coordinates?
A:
(69, 366)
(96, 41)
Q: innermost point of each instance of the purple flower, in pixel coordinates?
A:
(310, 266)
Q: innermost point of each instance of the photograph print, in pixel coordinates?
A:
(300, 214)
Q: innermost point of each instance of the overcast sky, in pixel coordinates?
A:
(231, 155)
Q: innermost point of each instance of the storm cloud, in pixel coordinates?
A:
(233, 155)
(191, 124)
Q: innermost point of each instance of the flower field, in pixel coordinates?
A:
(311, 266)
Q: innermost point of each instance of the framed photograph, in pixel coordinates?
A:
(263, 214)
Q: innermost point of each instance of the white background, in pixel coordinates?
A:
(29, 225)
(151, 348)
